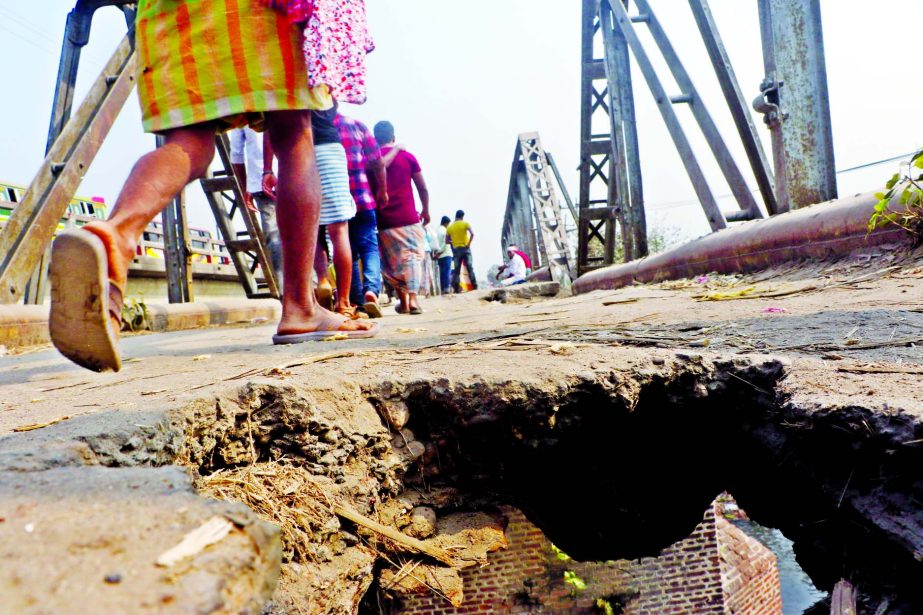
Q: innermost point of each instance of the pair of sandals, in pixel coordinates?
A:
(86, 305)
(324, 295)
(414, 311)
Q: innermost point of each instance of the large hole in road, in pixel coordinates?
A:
(609, 466)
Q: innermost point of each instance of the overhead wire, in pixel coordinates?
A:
(693, 202)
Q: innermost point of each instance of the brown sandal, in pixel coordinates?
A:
(86, 306)
(351, 312)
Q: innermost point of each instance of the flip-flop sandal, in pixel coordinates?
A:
(400, 309)
(319, 336)
(416, 311)
(352, 312)
(372, 309)
(83, 302)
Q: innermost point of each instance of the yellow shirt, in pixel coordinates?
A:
(458, 233)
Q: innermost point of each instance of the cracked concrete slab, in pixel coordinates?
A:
(86, 540)
(484, 364)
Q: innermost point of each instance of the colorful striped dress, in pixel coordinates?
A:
(229, 60)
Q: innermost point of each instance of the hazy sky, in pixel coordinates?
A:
(460, 81)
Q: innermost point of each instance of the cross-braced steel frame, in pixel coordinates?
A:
(611, 196)
(535, 219)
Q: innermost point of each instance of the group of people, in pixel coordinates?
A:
(450, 245)
(279, 67)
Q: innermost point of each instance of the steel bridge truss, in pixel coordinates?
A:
(611, 193)
(535, 219)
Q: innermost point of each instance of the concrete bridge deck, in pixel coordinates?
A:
(833, 342)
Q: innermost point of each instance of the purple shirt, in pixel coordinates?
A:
(402, 208)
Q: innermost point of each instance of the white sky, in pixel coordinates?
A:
(461, 80)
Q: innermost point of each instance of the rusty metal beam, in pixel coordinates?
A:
(795, 101)
(596, 151)
(737, 104)
(690, 96)
(625, 165)
(665, 104)
(32, 224)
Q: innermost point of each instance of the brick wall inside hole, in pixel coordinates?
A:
(717, 569)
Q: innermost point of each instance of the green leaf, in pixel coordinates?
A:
(893, 181)
(571, 578)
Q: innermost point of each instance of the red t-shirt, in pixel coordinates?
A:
(402, 208)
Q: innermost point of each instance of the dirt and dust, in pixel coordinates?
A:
(806, 376)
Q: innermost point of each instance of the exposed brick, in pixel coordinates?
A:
(717, 570)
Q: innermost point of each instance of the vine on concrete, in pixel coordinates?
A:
(908, 183)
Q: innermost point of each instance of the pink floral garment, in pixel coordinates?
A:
(336, 41)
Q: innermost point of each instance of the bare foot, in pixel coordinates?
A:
(321, 320)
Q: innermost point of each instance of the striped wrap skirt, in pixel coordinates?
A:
(337, 203)
(228, 60)
(402, 252)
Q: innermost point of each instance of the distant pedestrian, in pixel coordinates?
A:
(247, 161)
(336, 209)
(443, 255)
(403, 243)
(460, 236)
(368, 183)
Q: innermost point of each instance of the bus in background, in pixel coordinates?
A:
(205, 249)
(80, 211)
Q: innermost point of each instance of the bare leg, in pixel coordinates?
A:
(321, 265)
(342, 261)
(154, 181)
(85, 316)
(298, 210)
(412, 301)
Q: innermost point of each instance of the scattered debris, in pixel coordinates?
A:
(401, 539)
(621, 301)
(564, 348)
(34, 426)
(195, 541)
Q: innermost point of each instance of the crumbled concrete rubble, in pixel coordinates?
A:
(523, 292)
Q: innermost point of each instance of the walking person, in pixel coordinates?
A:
(443, 255)
(460, 236)
(400, 235)
(336, 209)
(247, 161)
(368, 183)
(204, 67)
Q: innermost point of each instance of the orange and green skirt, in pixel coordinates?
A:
(228, 60)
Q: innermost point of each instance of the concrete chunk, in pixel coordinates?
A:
(85, 540)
